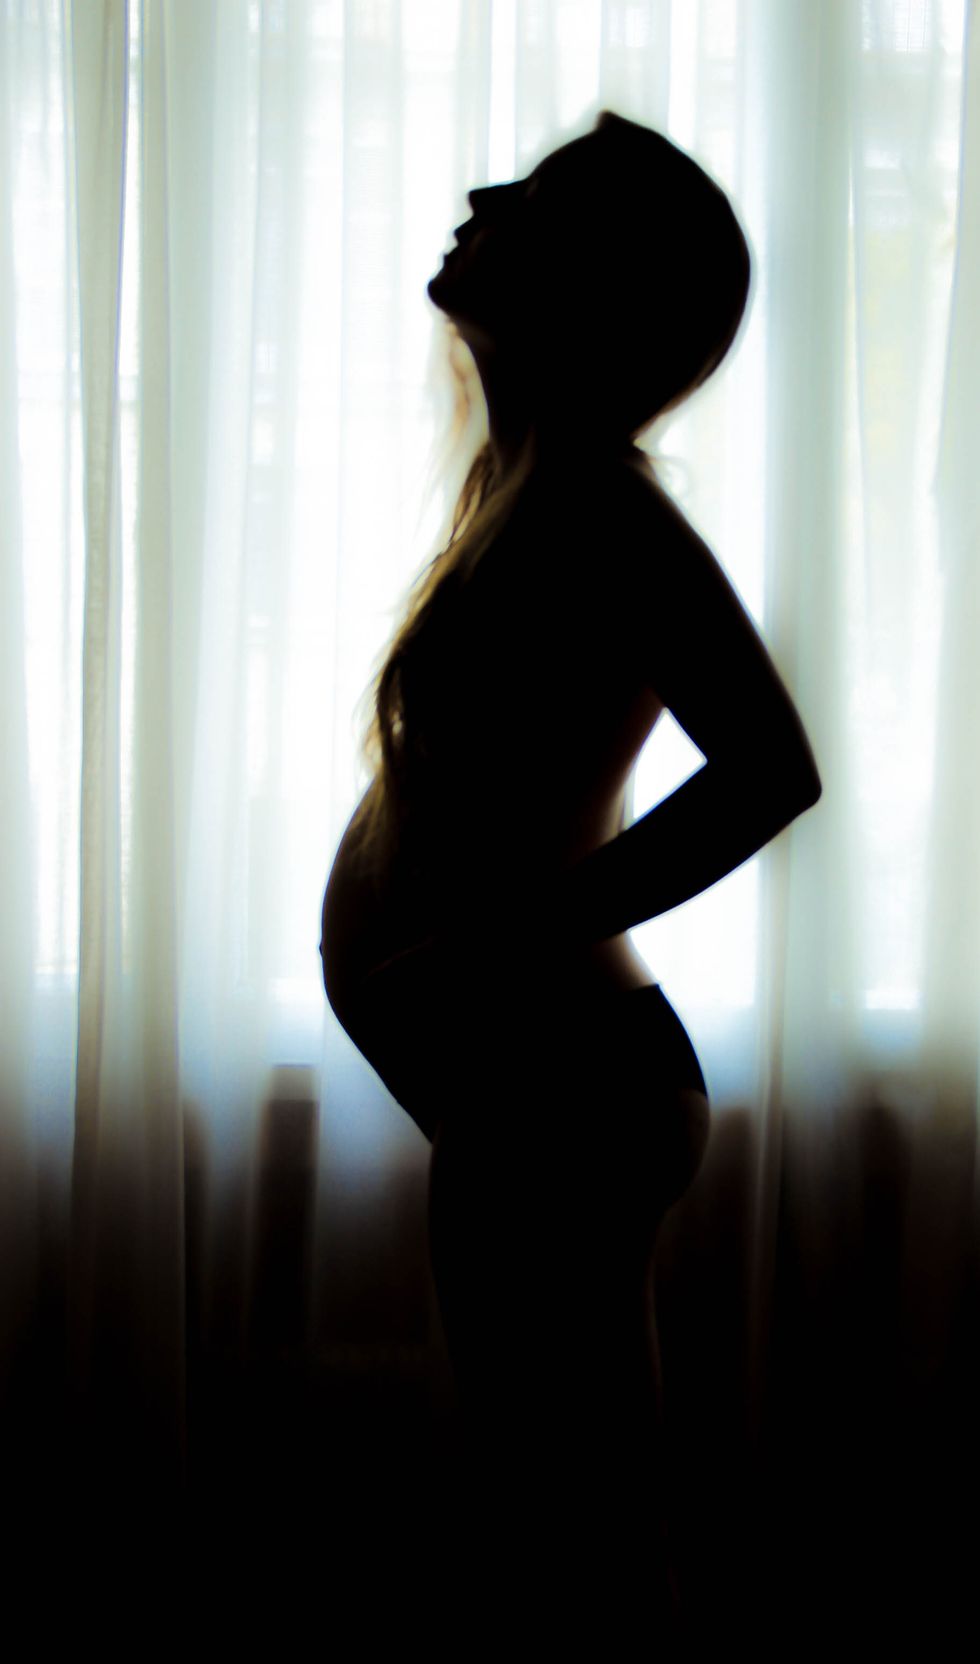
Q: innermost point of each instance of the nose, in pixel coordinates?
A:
(489, 201)
(487, 198)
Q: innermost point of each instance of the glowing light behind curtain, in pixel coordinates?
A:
(217, 403)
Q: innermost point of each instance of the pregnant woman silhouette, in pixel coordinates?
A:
(474, 926)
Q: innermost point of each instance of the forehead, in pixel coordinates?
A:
(573, 161)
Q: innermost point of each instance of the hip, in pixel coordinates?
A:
(446, 1036)
(601, 1100)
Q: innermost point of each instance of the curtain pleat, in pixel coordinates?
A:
(18, 1223)
(809, 62)
(99, 43)
(153, 871)
(952, 969)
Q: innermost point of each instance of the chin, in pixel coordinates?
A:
(440, 288)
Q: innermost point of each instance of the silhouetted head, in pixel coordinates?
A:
(608, 283)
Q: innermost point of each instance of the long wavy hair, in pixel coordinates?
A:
(626, 372)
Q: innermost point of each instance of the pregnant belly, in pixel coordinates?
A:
(511, 1050)
(365, 925)
(356, 936)
(405, 993)
(363, 939)
(447, 1023)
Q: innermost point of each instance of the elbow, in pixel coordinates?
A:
(788, 785)
(775, 788)
(795, 770)
(802, 788)
(812, 790)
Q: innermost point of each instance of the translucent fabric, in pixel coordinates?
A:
(222, 390)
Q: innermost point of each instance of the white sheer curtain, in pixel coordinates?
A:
(220, 389)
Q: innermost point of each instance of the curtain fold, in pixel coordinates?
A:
(952, 963)
(808, 61)
(222, 390)
(99, 92)
(17, 1214)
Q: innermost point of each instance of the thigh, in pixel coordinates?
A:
(550, 1176)
(570, 1108)
(542, 1241)
(604, 1116)
(646, 1100)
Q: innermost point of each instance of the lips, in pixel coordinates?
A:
(464, 235)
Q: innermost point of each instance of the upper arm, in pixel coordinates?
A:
(697, 647)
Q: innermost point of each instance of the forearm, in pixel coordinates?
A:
(705, 829)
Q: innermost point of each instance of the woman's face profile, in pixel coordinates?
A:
(509, 254)
(605, 286)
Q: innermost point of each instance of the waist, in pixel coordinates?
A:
(369, 934)
(459, 964)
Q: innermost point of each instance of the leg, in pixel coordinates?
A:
(543, 1270)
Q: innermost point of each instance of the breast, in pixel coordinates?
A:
(532, 708)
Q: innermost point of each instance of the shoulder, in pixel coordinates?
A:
(615, 513)
(644, 506)
(670, 592)
(623, 486)
(645, 539)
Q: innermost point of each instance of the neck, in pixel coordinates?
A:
(510, 421)
(514, 420)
